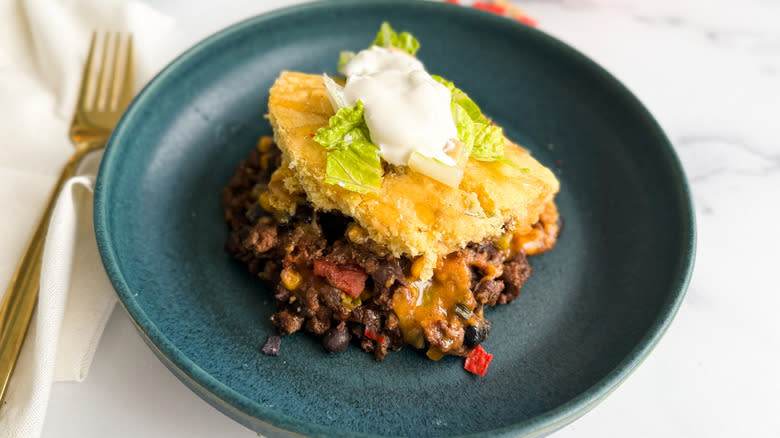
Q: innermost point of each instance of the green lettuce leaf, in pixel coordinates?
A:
(484, 141)
(488, 142)
(465, 127)
(353, 162)
(344, 58)
(387, 37)
(462, 99)
(489, 145)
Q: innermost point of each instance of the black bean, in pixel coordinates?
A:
(475, 335)
(471, 338)
(336, 339)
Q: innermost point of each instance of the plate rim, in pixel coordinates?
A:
(190, 373)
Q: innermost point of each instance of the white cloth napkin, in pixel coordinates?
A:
(43, 45)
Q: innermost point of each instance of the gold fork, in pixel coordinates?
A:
(103, 97)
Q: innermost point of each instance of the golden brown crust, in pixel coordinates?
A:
(412, 215)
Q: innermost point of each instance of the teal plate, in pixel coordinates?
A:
(593, 310)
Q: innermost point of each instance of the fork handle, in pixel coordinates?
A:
(19, 300)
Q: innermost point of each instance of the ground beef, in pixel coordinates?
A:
(516, 272)
(488, 291)
(287, 321)
(283, 254)
(262, 237)
(237, 197)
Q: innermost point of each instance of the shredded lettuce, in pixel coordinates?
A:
(484, 140)
(488, 142)
(335, 93)
(462, 99)
(489, 146)
(466, 131)
(387, 37)
(353, 161)
(344, 58)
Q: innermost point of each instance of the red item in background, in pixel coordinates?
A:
(490, 7)
(478, 362)
(501, 7)
(525, 19)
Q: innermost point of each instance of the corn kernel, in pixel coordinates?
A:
(356, 233)
(434, 354)
(417, 267)
(264, 145)
(349, 302)
(290, 278)
(503, 242)
(265, 202)
(415, 338)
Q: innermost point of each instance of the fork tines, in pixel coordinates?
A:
(104, 87)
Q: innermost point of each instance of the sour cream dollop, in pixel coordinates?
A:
(405, 109)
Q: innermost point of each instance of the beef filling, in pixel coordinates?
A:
(355, 302)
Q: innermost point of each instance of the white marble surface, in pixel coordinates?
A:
(710, 73)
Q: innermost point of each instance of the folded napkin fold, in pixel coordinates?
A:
(43, 45)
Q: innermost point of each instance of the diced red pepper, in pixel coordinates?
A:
(350, 279)
(490, 7)
(373, 336)
(525, 19)
(323, 268)
(478, 362)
